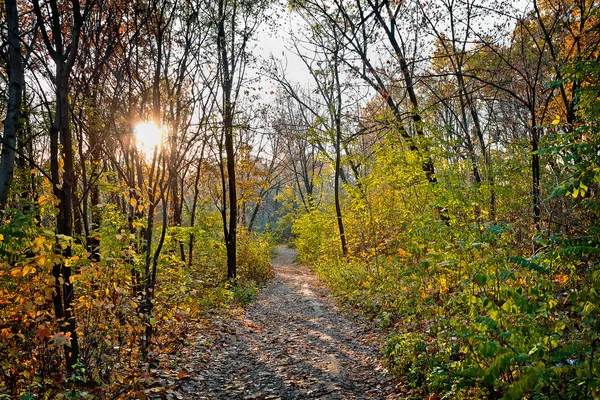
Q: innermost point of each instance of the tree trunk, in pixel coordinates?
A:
(63, 190)
(338, 155)
(193, 212)
(93, 240)
(226, 82)
(338, 208)
(25, 157)
(149, 283)
(64, 56)
(15, 91)
(535, 175)
(176, 204)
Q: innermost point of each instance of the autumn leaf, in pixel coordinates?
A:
(404, 254)
(28, 269)
(42, 332)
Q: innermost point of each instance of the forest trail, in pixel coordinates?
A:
(291, 343)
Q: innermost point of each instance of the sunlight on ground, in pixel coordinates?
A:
(147, 136)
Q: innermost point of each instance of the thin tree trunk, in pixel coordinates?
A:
(148, 284)
(63, 189)
(93, 240)
(535, 173)
(64, 56)
(193, 211)
(231, 235)
(15, 91)
(338, 156)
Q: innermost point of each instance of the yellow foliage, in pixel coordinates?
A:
(402, 253)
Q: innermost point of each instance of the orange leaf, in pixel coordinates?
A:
(42, 332)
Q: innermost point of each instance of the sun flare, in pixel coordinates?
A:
(147, 136)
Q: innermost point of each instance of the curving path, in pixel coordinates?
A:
(292, 343)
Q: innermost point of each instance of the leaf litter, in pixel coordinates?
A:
(291, 343)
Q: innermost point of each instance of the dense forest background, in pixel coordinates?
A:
(437, 164)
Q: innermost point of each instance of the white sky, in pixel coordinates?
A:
(275, 40)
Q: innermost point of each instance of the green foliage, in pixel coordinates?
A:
(577, 147)
(408, 357)
(254, 258)
(244, 293)
(313, 235)
(472, 312)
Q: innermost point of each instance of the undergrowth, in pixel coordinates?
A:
(107, 305)
(469, 317)
(474, 306)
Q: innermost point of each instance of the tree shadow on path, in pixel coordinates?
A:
(292, 343)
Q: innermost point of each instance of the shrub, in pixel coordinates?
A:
(407, 356)
(253, 258)
(315, 236)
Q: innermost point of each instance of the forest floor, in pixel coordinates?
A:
(292, 342)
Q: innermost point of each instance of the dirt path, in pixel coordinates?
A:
(292, 343)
